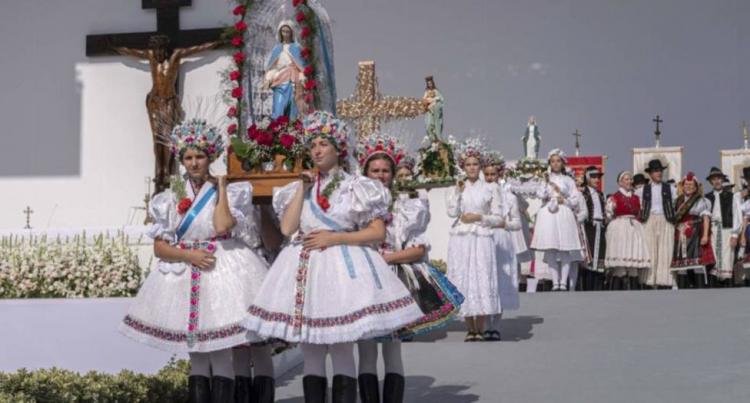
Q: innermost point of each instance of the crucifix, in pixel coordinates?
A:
(28, 213)
(164, 50)
(578, 136)
(368, 109)
(657, 132)
(745, 135)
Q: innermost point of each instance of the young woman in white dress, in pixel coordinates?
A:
(329, 287)
(506, 241)
(206, 276)
(405, 249)
(556, 230)
(472, 257)
(627, 251)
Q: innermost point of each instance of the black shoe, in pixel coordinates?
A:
(264, 390)
(243, 389)
(222, 390)
(369, 389)
(393, 388)
(492, 335)
(344, 389)
(199, 389)
(314, 388)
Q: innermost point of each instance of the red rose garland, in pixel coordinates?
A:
(305, 18)
(236, 35)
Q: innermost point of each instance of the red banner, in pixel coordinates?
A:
(580, 163)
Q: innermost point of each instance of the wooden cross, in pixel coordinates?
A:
(368, 109)
(167, 24)
(578, 136)
(164, 50)
(657, 132)
(28, 213)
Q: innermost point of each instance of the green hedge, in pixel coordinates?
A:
(63, 386)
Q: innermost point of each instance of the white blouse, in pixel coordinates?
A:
(478, 197)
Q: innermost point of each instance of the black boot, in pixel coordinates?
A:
(222, 390)
(393, 388)
(199, 389)
(264, 389)
(634, 285)
(344, 389)
(314, 388)
(682, 281)
(243, 389)
(369, 390)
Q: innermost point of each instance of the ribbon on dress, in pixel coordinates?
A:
(194, 211)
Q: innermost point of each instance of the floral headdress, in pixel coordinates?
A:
(558, 152)
(471, 147)
(198, 135)
(690, 177)
(493, 158)
(379, 143)
(407, 162)
(324, 124)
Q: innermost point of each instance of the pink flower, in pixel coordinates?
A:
(235, 75)
(308, 70)
(191, 327)
(240, 25)
(232, 112)
(239, 57)
(306, 31)
(232, 128)
(237, 92)
(310, 84)
(237, 41)
(300, 16)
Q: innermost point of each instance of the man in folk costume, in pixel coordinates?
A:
(657, 212)
(726, 221)
(594, 227)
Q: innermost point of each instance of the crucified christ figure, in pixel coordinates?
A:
(163, 101)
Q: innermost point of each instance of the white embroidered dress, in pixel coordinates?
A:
(472, 257)
(341, 294)
(181, 308)
(556, 229)
(506, 239)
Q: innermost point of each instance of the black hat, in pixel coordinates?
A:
(593, 170)
(639, 179)
(746, 172)
(715, 172)
(655, 165)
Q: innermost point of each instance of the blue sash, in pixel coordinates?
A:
(194, 211)
(318, 213)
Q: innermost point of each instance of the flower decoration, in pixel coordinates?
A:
(379, 143)
(471, 147)
(199, 135)
(324, 124)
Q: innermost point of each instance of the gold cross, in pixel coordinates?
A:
(368, 109)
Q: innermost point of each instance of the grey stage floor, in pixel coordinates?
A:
(640, 346)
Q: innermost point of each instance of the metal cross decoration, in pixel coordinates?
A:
(578, 136)
(368, 109)
(657, 132)
(28, 213)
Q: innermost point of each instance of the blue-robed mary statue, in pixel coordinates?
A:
(284, 73)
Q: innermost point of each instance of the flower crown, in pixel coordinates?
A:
(492, 158)
(560, 153)
(471, 147)
(196, 134)
(408, 162)
(324, 124)
(379, 143)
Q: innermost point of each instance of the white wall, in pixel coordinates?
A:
(112, 132)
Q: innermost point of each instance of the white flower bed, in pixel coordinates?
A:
(35, 267)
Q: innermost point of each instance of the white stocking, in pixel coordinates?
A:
(342, 356)
(555, 273)
(394, 364)
(565, 272)
(315, 358)
(241, 361)
(573, 278)
(368, 357)
(200, 364)
(221, 363)
(262, 361)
